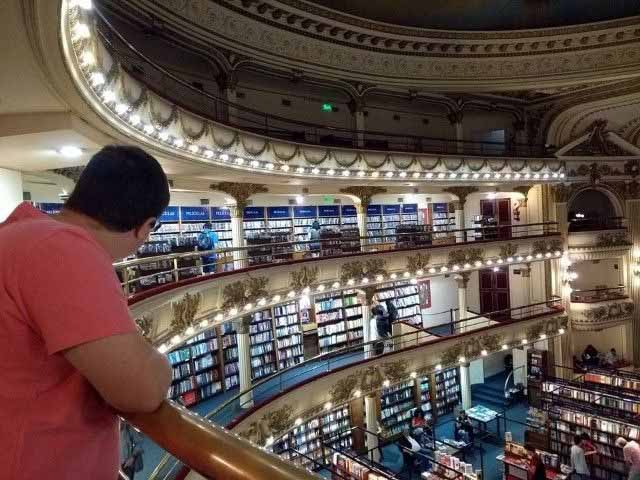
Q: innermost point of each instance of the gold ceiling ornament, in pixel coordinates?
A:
(613, 240)
(563, 192)
(461, 192)
(303, 278)
(544, 246)
(184, 311)
(419, 261)
(240, 192)
(72, 173)
(342, 390)
(363, 193)
(397, 371)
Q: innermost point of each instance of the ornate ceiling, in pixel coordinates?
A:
(320, 43)
(479, 14)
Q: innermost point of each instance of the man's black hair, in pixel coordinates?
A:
(121, 187)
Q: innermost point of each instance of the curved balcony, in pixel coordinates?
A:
(594, 310)
(304, 389)
(263, 144)
(597, 238)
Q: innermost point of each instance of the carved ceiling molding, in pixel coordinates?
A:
(72, 173)
(270, 32)
(240, 192)
(584, 254)
(601, 315)
(363, 193)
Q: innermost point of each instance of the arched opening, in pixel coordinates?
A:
(593, 209)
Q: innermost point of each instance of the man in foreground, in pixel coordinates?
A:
(70, 353)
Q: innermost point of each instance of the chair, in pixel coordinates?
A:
(392, 458)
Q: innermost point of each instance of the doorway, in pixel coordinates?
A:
(494, 292)
(498, 209)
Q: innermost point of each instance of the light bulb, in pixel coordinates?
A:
(87, 58)
(97, 78)
(386, 383)
(178, 142)
(189, 331)
(328, 405)
(255, 163)
(416, 174)
(84, 4)
(438, 367)
(285, 168)
(389, 174)
(361, 173)
(81, 31)
(208, 153)
(429, 175)
(224, 157)
(484, 353)
(331, 171)
(357, 394)
(70, 151)
(375, 174)
(149, 129)
(121, 108)
(402, 174)
(134, 119)
(345, 173)
(108, 96)
(204, 323)
(164, 136)
(315, 171)
(240, 160)
(505, 347)
(462, 359)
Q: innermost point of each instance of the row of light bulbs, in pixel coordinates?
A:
(98, 80)
(413, 375)
(352, 283)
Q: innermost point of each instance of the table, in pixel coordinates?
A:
(515, 467)
(483, 416)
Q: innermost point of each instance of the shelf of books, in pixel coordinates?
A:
(350, 468)
(221, 224)
(349, 216)
(537, 364)
(374, 224)
(391, 218)
(230, 356)
(196, 369)
(448, 393)
(289, 339)
(303, 218)
(425, 397)
(441, 220)
(609, 462)
(262, 351)
(406, 298)
(629, 381)
(339, 319)
(396, 404)
(334, 426)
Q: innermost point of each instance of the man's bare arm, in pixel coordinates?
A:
(127, 372)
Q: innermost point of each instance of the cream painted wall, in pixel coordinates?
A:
(598, 272)
(444, 296)
(43, 193)
(472, 206)
(10, 191)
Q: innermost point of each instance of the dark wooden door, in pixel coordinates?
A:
(504, 218)
(494, 292)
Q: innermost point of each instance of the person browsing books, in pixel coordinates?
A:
(71, 354)
(578, 459)
(631, 454)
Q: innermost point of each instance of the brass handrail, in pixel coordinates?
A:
(211, 450)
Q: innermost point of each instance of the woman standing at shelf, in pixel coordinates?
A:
(631, 454)
(377, 318)
(314, 237)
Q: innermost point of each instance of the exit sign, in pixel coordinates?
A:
(327, 107)
(328, 199)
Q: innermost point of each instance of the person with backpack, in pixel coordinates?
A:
(208, 240)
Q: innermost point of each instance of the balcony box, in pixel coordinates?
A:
(595, 316)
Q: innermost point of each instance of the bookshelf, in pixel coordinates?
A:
(425, 397)
(329, 216)
(441, 220)
(608, 464)
(396, 404)
(229, 342)
(406, 298)
(623, 380)
(391, 218)
(196, 373)
(349, 216)
(221, 224)
(374, 224)
(355, 469)
(339, 320)
(262, 350)
(254, 222)
(307, 438)
(537, 364)
(448, 393)
(289, 337)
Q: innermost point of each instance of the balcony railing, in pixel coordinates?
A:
(159, 271)
(599, 294)
(597, 223)
(264, 391)
(216, 108)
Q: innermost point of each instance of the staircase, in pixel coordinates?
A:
(490, 393)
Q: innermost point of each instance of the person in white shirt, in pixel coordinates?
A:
(631, 454)
(578, 460)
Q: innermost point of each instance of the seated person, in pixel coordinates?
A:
(463, 427)
(421, 428)
(409, 447)
(590, 356)
(611, 358)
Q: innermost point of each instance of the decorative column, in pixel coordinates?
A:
(10, 191)
(371, 419)
(244, 360)
(365, 302)
(356, 106)
(455, 119)
(462, 279)
(465, 385)
(462, 193)
(563, 350)
(240, 192)
(364, 194)
(633, 286)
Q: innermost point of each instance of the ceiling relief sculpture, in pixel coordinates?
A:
(277, 34)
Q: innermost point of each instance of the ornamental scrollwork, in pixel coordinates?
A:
(183, 312)
(363, 193)
(508, 250)
(240, 192)
(461, 192)
(612, 240)
(306, 277)
(145, 326)
(460, 257)
(237, 294)
(419, 261)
